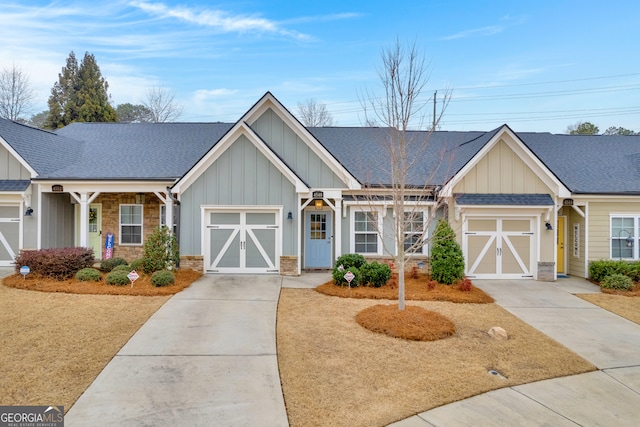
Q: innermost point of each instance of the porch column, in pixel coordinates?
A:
(337, 233)
(168, 203)
(84, 200)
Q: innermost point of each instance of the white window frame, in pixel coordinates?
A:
(121, 224)
(617, 241)
(163, 215)
(378, 232)
(425, 247)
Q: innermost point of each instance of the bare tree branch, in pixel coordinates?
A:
(402, 108)
(162, 105)
(313, 114)
(16, 95)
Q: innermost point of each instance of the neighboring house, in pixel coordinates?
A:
(267, 195)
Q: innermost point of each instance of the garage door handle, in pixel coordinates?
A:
(499, 251)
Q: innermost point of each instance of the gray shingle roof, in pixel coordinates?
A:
(504, 199)
(146, 151)
(44, 151)
(139, 150)
(14, 184)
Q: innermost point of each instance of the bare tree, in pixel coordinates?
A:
(161, 105)
(402, 108)
(314, 114)
(16, 94)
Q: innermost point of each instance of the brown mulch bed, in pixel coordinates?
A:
(412, 323)
(415, 289)
(141, 287)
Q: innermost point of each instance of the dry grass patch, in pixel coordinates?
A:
(414, 289)
(53, 345)
(618, 303)
(141, 287)
(334, 372)
(412, 323)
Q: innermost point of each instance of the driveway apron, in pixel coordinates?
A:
(206, 357)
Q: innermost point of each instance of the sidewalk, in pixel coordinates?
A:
(607, 397)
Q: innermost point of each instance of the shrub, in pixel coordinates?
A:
(617, 281)
(162, 278)
(88, 275)
(351, 260)
(431, 284)
(117, 278)
(465, 285)
(109, 264)
(447, 260)
(375, 274)
(634, 271)
(160, 251)
(59, 263)
(598, 270)
(122, 267)
(338, 276)
(137, 265)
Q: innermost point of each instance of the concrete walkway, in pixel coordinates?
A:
(207, 357)
(608, 397)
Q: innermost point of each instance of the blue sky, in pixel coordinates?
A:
(537, 66)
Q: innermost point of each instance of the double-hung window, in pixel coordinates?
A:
(625, 230)
(414, 232)
(366, 239)
(131, 224)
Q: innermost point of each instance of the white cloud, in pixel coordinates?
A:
(203, 95)
(476, 32)
(218, 19)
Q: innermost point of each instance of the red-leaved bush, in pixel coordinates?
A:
(465, 285)
(60, 263)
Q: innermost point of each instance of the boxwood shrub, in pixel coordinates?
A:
(109, 264)
(137, 265)
(338, 276)
(118, 278)
(351, 260)
(88, 275)
(617, 281)
(122, 267)
(163, 278)
(375, 274)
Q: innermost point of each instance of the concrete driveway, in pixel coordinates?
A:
(608, 397)
(206, 358)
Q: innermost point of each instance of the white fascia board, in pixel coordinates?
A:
(17, 156)
(104, 186)
(214, 153)
(269, 101)
(518, 147)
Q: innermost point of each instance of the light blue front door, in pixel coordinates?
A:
(318, 239)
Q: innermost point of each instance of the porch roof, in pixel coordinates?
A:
(475, 199)
(14, 184)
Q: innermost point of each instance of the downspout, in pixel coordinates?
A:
(176, 215)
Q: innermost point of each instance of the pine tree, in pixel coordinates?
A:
(447, 260)
(79, 95)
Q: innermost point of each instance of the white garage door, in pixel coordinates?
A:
(9, 234)
(242, 241)
(499, 248)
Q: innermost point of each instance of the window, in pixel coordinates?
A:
(163, 215)
(624, 236)
(413, 231)
(365, 227)
(131, 224)
(318, 226)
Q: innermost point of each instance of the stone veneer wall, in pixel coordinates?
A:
(193, 262)
(111, 221)
(288, 265)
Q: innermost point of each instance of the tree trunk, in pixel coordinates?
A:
(401, 263)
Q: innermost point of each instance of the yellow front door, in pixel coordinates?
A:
(560, 244)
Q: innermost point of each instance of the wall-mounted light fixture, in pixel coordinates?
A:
(140, 198)
(549, 226)
(628, 242)
(318, 203)
(28, 212)
(289, 215)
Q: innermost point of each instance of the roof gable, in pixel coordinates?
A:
(240, 128)
(521, 150)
